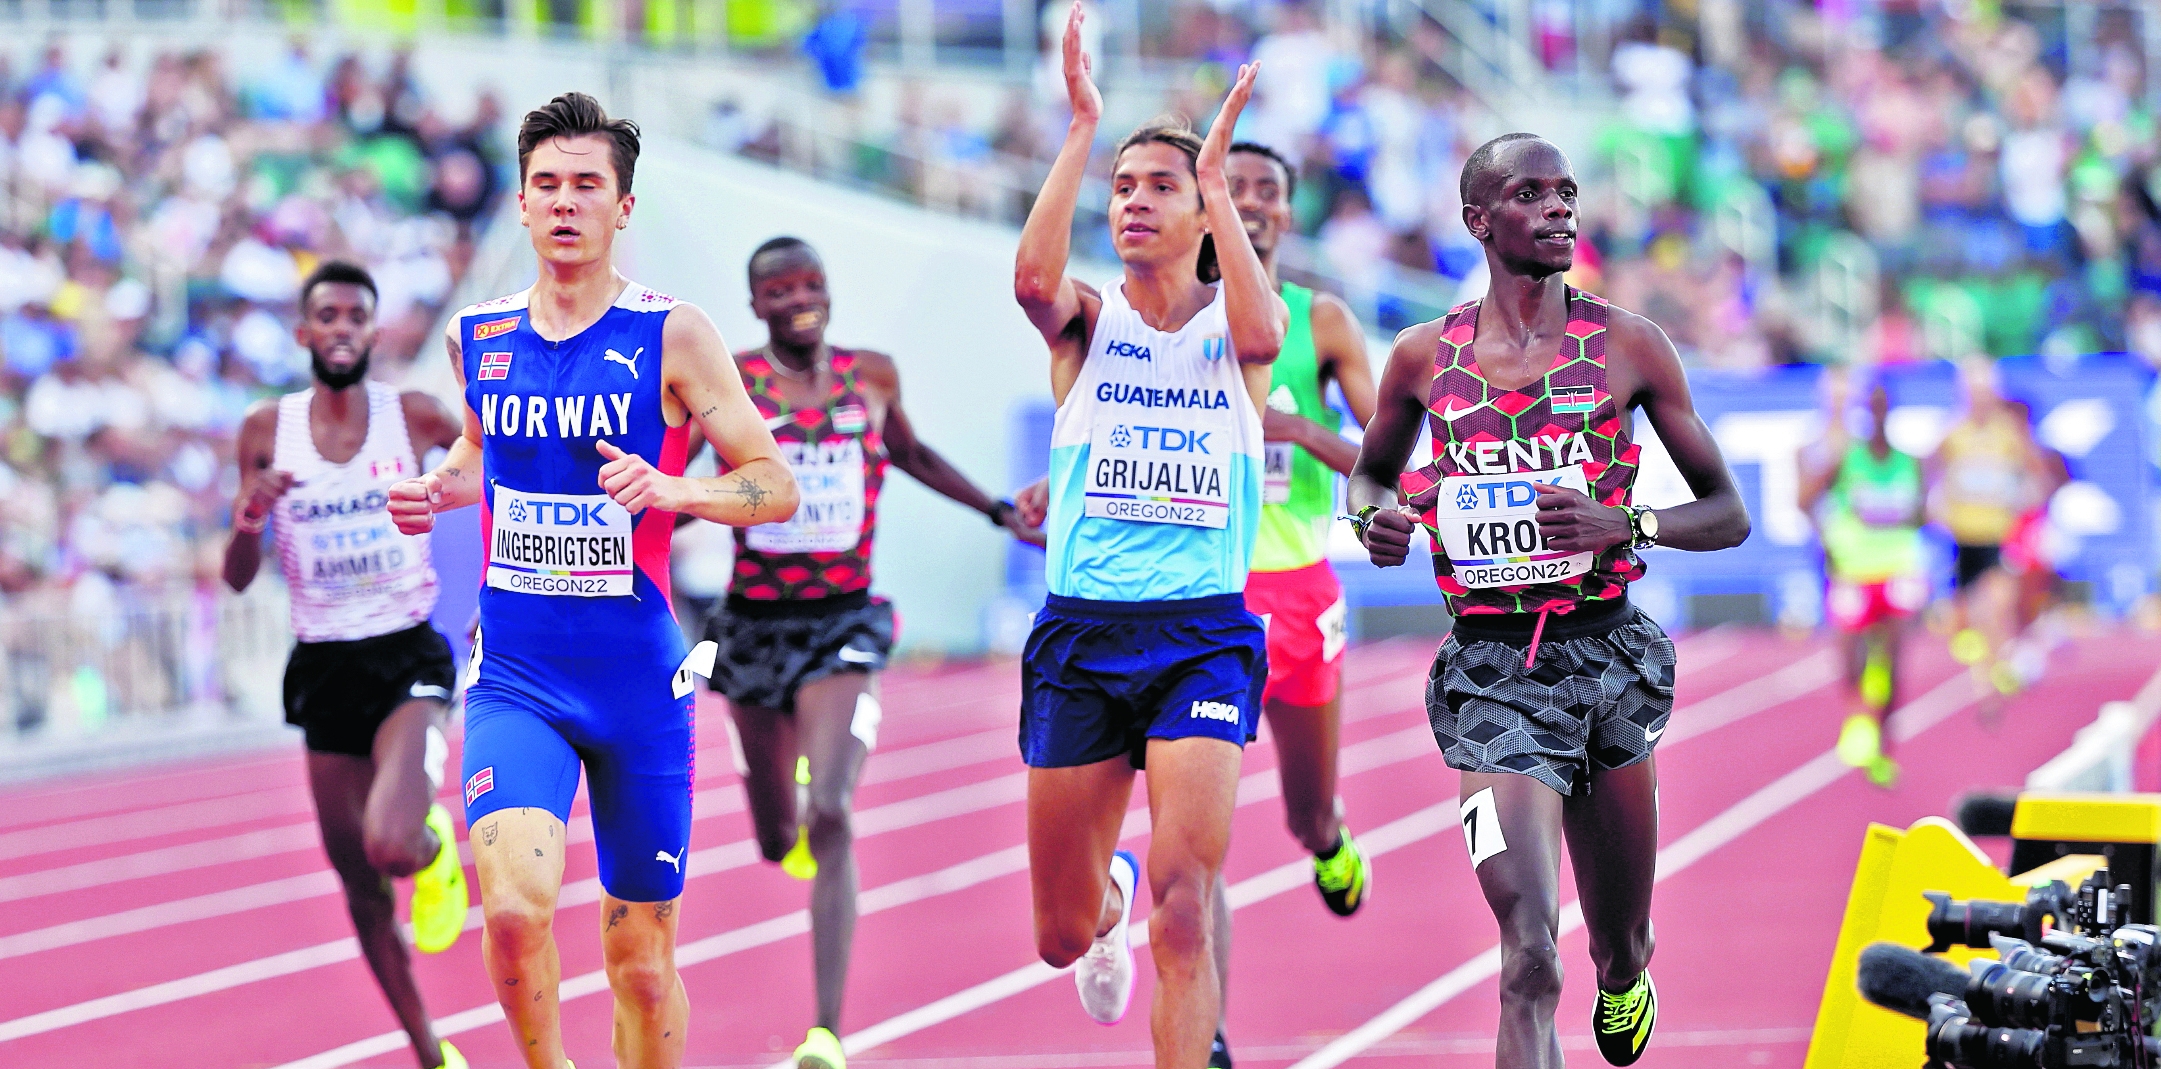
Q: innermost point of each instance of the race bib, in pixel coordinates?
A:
(829, 478)
(354, 555)
(561, 545)
(1489, 526)
(1176, 474)
(1276, 489)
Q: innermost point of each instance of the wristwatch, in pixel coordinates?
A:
(997, 512)
(1642, 526)
(1362, 520)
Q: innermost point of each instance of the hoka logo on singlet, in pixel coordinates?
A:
(513, 416)
(1126, 348)
(1154, 397)
(1519, 454)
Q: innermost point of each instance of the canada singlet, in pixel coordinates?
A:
(1477, 498)
(351, 574)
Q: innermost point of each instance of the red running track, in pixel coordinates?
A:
(182, 916)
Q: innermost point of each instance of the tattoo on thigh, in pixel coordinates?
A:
(512, 982)
(663, 911)
(487, 834)
(617, 914)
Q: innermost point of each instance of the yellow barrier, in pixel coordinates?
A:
(1885, 905)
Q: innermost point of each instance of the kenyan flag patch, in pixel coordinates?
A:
(852, 419)
(1569, 400)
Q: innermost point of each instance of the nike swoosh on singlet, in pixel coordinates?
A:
(1450, 413)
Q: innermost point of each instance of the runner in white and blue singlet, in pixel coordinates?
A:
(1144, 652)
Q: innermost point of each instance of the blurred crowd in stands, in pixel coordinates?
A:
(1772, 181)
(157, 211)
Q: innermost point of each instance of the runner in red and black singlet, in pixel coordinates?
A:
(1551, 690)
(824, 552)
(800, 635)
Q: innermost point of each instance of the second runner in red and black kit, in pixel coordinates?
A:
(800, 635)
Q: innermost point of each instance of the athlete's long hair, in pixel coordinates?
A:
(576, 115)
(1175, 131)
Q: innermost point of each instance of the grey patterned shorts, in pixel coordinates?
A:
(767, 653)
(1598, 694)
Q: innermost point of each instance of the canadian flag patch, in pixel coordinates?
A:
(494, 366)
(479, 783)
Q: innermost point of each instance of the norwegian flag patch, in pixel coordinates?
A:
(479, 783)
(494, 366)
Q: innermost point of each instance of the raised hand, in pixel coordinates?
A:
(1216, 150)
(1080, 86)
(264, 487)
(413, 503)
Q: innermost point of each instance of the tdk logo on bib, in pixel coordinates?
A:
(556, 513)
(1223, 711)
(1126, 348)
(1512, 494)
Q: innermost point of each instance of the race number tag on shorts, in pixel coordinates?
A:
(829, 478)
(1489, 525)
(561, 545)
(1482, 827)
(1174, 474)
(1276, 488)
(1335, 630)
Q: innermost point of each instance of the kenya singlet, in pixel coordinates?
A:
(1155, 469)
(351, 574)
(839, 461)
(1490, 445)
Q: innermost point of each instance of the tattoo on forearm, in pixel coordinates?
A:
(617, 914)
(752, 494)
(709, 410)
(453, 472)
(663, 911)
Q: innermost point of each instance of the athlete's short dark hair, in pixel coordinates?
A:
(1175, 131)
(1481, 170)
(340, 271)
(1290, 173)
(576, 115)
(784, 243)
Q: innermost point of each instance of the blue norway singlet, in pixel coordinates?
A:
(580, 664)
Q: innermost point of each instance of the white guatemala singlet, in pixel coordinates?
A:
(351, 574)
(1155, 467)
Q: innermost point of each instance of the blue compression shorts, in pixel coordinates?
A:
(529, 723)
(1101, 678)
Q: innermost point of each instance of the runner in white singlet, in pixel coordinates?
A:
(370, 680)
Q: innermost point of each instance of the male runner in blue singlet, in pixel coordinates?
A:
(579, 394)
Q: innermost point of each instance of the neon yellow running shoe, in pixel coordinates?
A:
(1883, 772)
(1346, 879)
(1876, 680)
(451, 1058)
(1860, 740)
(1623, 1020)
(439, 902)
(802, 770)
(2006, 679)
(799, 863)
(820, 1050)
(1969, 646)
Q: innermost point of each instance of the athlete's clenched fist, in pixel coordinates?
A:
(1388, 536)
(264, 487)
(413, 503)
(635, 484)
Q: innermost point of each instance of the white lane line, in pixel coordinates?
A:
(1823, 770)
(1730, 706)
(1355, 758)
(190, 816)
(1779, 687)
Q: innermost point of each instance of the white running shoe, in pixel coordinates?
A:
(1105, 974)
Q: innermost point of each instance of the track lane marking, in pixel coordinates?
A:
(1948, 698)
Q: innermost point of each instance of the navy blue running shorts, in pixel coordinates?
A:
(1101, 678)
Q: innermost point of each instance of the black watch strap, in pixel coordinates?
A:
(998, 511)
